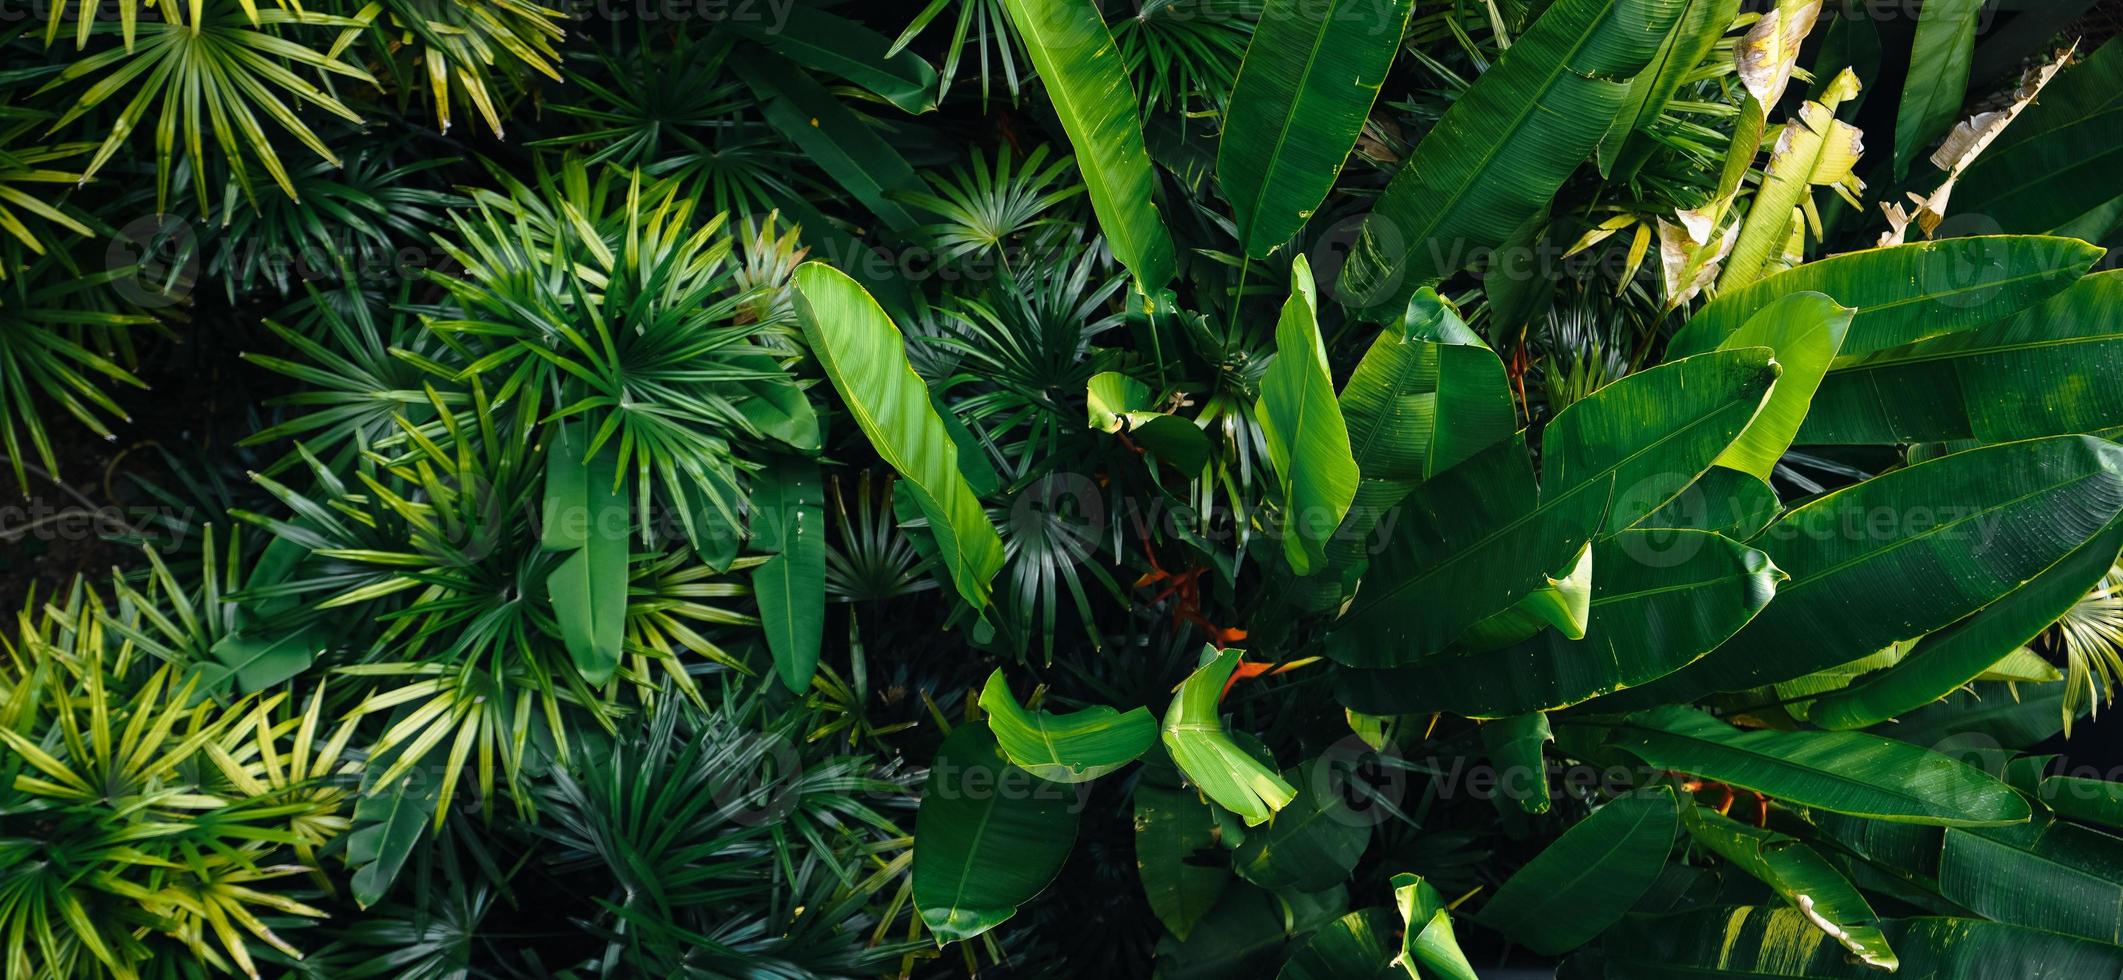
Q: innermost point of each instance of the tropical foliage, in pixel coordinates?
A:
(1191, 488)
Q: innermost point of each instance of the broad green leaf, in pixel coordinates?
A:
(1938, 76)
(1194, 733)
(865, 358)
(2051, 369)
(1308, 444)
(1563, 602)
(2053, 168)
(2012, 716)
(1357, 946)
(1428, 945)
(2049, 875)
(1071, 748)
(1652, 433)
(1426, 396)
(1814, 149)
(1241, 937)
(1303, 91)
(832, 136)
(586, 511)
(1514, 745)
(824, 41)
(1660, 600)
(2087, 800)
(257, 660)
(1508, 142)
(789, 522)
(1841, 772)
(1088, 85)
(1589, 877)
(1121, 404)
(1908, 292)
(1805, 331)
(1177, 858)
(1907, 553)
(1687, 44)
(1735, 504)
(1468, 543)
(988, 837)
(1782, 942)
(1941, 662)
(1800, 876)
(1309, 845)
(387, 824)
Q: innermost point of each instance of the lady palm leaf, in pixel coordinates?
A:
(1183, 54)
(2091, 636)
(991, 210)
(467, 52)
(984, 27)
(209, 69)
(58, 347)
(24, 171)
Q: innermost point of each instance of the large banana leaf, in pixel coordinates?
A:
(988, 837)
(1660, 599)
(586, 512)
(1901, 555)
(1516, 749)
(1308, 444)
(2055, 368)
(1309, 845)
(2050, 875)
(1194, 733)
(1428, 946)
(1694, 33)
(1806, 331)
(1652, 433)
(1909, 292)
(1427, 395)
(1182, 867)
(2053, 168)
(1499, 153)
(832, 136)
(1069, 44)
(1468, 544)
(865, 358)
(1938, 76)
(1302, 93)
(1072, 748)
(1945, 660)
(1735, 504)
(1588, 878)
(1760, 942)
(1841, 772)
(1357, 946)
(1800, 876)
(789, 523)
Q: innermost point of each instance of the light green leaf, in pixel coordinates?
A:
(1120, 404)
(1308, 444)
(1805, 331)
(1194, 733)
(1071, 748)
(1427, 943)
(1801, 876)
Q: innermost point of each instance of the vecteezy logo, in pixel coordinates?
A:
(153, 260)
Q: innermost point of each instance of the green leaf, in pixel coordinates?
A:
(1071, 748)
(2052, 369)
(823, 41)
(1119, 403)
(1841, 772)
(1652, 433)
(1070, 46)
(1426, 396)
(988, 837)
(1426, 935)
(1177, 857)
(1781, 942)
(1908, 292)
(1687, 44)
(586, 510)
(1469, 543)
(258, 660)
(1309, 845)
(387, 824)
(1903, 554)
(1589, 877)
(1800, 876)
(1508, 142)
(1514, 745)
(2049, 875)
(1941, 662)
(1194, 733)
(832, 136)
(789, 522)
(1302, 94)
(1805, 331)
(2083, 799)
(1735, 504)
(1563, 602)
(865, 358)
(1357, 946)
(2053, 167)
(1238, 938)
(1308, 444)
(1938, 76)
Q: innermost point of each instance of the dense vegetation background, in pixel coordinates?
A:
(1319, 488)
